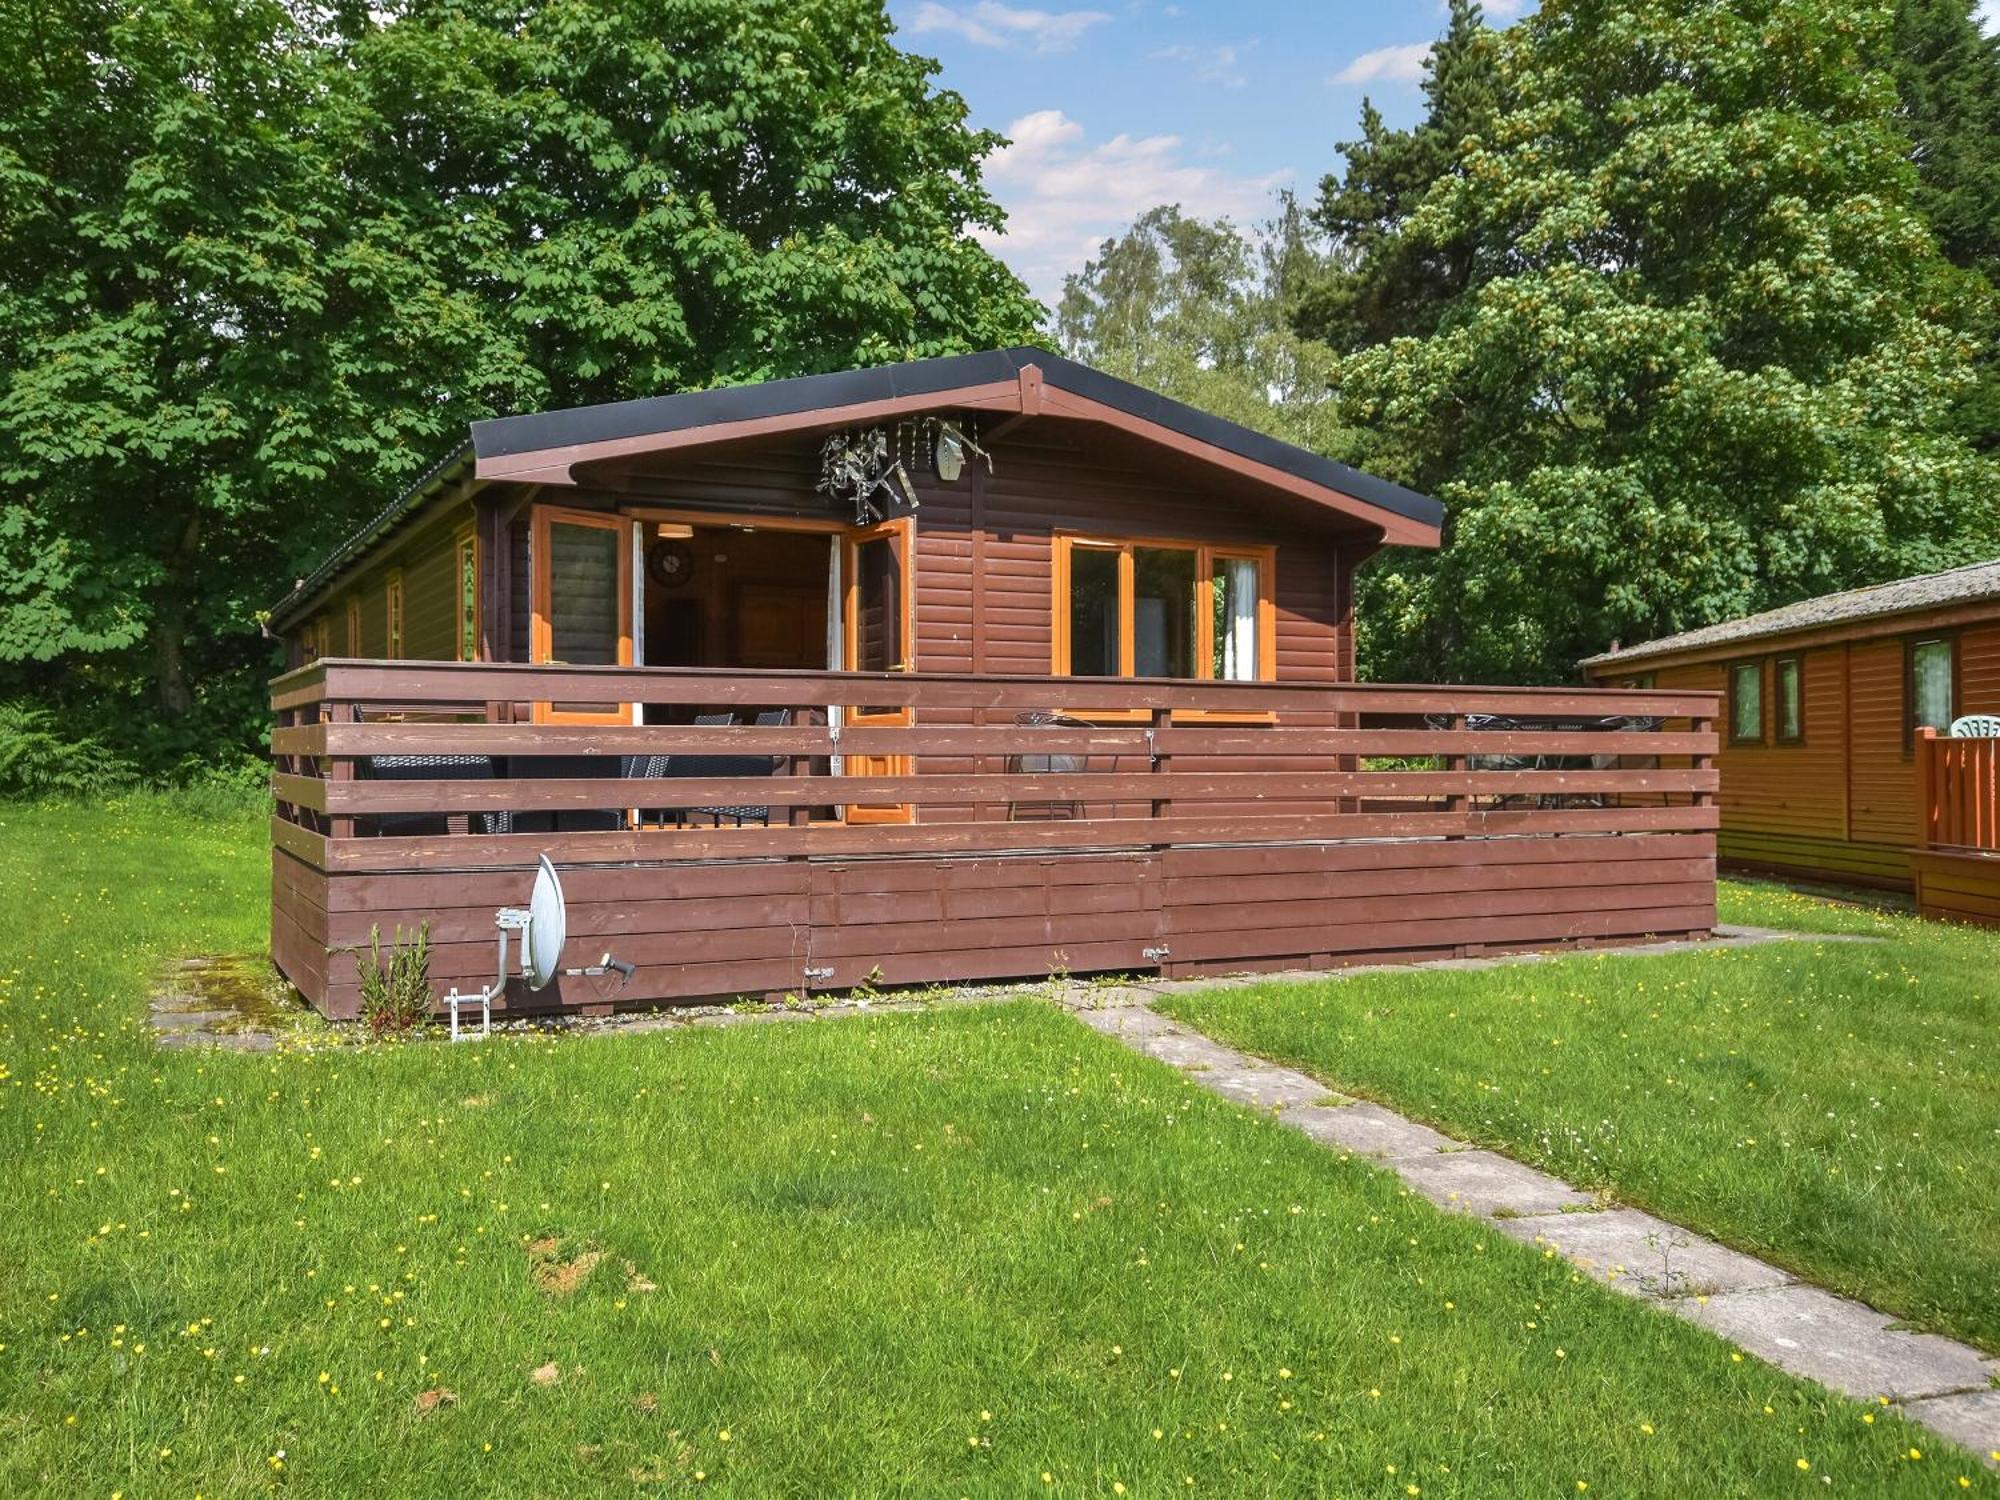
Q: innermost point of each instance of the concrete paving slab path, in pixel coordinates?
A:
(1949, 1387)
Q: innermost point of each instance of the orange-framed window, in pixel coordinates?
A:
(581, 601)
(1788, 698)
(353, 624)
(465, 573)
(1746, 703)
(1930, 685)
(392, 593)
(1145, 608)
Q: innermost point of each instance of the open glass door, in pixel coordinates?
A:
(876, 638)
(582, 603)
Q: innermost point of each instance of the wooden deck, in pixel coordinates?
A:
(1956, 863)
(1213, 827)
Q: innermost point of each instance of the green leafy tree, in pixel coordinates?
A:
(1382, 282)
(1197, 309)
(1714, 364)
(262, 259)
(1947, 73)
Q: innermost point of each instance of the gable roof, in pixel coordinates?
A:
(562, 447)
(509, 446)
(1970, 583)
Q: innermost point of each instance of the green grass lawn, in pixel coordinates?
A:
(1833, 1106)
(969, 1252)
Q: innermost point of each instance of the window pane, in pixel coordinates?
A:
(1163, 618)
(1093, 612)
(1790, 720)
(1930, 667)
(1235, 596)
(583, 594)
(878, 606)
(1747, 703)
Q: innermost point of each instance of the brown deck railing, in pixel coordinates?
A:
(1166, 763)
(1958, 792)
(1198, 827)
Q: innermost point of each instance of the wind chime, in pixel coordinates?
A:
(860, 465)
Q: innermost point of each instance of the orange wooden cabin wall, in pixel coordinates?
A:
(1842, 804)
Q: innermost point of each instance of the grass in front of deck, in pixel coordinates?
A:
(1832, 1106)
(974, 1252)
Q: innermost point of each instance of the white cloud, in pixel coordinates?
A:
(1403, 64)
(1065, 196)
(1221, 64)
(991, 24)
(1989, 14)
(1503, 10)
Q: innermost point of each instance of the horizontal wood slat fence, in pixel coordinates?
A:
(1379, 823)
(1955, 866)
(1958, 792)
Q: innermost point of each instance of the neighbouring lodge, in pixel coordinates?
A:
(982, 666)
(1837, 756)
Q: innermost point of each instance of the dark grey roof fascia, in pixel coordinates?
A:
(1972, 582)
(378, 526)
(618, 420)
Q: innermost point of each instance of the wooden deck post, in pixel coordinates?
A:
(1163, 720)
(1457, 802)
(1926, 785)
(340, 768)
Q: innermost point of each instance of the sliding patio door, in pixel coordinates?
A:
(582, 603)
(876, 637)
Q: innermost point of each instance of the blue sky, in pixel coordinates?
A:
(1116, 105)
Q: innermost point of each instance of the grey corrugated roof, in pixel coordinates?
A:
(1979, 580)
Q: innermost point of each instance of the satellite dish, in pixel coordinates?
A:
(548, 929)
(544, 927)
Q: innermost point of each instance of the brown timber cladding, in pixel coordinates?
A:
(1473, 861)
(1842, 803)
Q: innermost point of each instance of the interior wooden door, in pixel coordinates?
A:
(582, 603)
(876, 636)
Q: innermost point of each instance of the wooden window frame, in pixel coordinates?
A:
(466, 620)
(1736, 669)
(1949, 640)
(852, 538)
(1205, 554)
(392, 613)
(353, 624)
(1797, 662)
(540, 631)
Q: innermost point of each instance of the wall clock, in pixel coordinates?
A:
(670, 563)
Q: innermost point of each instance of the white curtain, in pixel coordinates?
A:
(1239, 619)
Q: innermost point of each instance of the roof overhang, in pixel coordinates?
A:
(591, 446)
(588, 446)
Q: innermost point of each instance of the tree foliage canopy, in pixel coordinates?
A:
(1712, 361)
(1199, 311)
(263, 257)
(1383, 281)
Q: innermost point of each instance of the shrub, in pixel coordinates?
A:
(396, 994)
(38, 760)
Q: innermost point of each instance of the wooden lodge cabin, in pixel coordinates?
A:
(975, 667)
(1834, 761)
